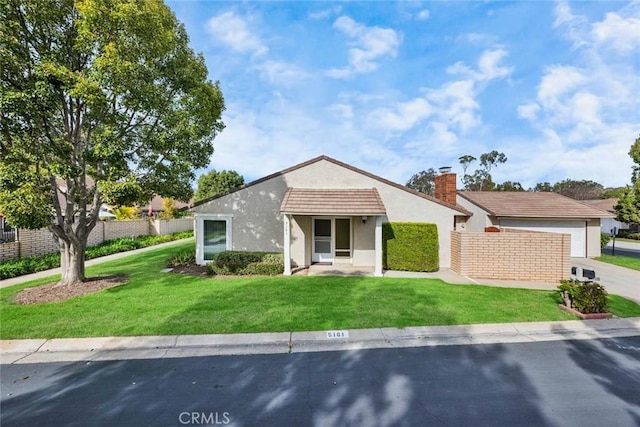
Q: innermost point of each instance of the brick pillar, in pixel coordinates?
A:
(445, 187)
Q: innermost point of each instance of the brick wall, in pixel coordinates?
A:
(9, 250)
(36, 242)
(40, 242)
(511, 255)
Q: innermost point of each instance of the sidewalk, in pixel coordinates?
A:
(46, 273)
(159, 347)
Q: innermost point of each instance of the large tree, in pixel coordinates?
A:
(423, 181)
(628, 207)
(579, 190)
(481, 179)
(215, 182)
(101, 100)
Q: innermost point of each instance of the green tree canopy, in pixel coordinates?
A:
(481, 179)
(213, 183)
(101, 100)
(423, 181)
(628, 207)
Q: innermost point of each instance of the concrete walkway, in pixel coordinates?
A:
(47, 273)
(158, 347)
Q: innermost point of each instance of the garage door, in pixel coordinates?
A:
(577, 230)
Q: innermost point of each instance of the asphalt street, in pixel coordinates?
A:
(561, 383)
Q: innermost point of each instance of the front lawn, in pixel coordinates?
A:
(622, 261)
(155, 303)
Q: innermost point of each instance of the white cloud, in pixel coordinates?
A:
(325, 13)
(233, 30)
(529, 111)
(423, 15)
(281, 73)
(587, 110)
(368, 44)
(621, 34)
(403, 116)
(488, 67)
(559, 80)
(342, 111)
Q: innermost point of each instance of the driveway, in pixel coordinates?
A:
(618, 280)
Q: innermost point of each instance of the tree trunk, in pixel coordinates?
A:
(72, 262)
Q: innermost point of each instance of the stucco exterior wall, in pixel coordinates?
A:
(301, 235)
(257, 223)
(480, 218)
(593, 238)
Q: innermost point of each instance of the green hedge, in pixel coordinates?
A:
(247, 263)
(410, 246)
(33, 264)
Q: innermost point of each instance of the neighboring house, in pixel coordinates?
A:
(536, 211)
(607, 224)
(321, 210)
(155, 208)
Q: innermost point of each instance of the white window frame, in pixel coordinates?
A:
(200, 219)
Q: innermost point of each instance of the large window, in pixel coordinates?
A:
(213, 233)
(215, 238)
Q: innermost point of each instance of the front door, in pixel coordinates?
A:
(322, 240)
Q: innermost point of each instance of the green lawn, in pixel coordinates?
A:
(154, 303)
(622, 261)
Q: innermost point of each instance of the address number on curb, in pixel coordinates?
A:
(337, 334)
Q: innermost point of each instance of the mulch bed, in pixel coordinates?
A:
(191, 270)
(56, 292)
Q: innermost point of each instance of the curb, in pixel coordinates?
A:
(158, 347)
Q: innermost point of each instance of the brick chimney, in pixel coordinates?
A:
(445, 185)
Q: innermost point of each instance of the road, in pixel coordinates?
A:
(563, 383)
(623, 248)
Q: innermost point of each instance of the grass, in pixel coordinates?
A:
(154, 303)
(622, 261)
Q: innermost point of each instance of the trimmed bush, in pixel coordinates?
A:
(604, 240)
(410, 246)
(242, 263)
(586, 297)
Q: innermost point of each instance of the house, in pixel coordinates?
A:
(536, 211)
(155, 207)
(321, 210)
(607, 225)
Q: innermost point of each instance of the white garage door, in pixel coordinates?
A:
(577, 230)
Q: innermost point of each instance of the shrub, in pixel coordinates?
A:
(187, 257)
(410, 246)
(604, 240)
(247, 263)
(628, 234)
(586, 297)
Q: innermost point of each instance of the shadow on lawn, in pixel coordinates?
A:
(448, 385)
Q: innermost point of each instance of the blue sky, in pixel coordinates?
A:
(398, 87)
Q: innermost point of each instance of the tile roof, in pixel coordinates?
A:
(456, 207)
(602, 204)
(531, 205)
(314, 201)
